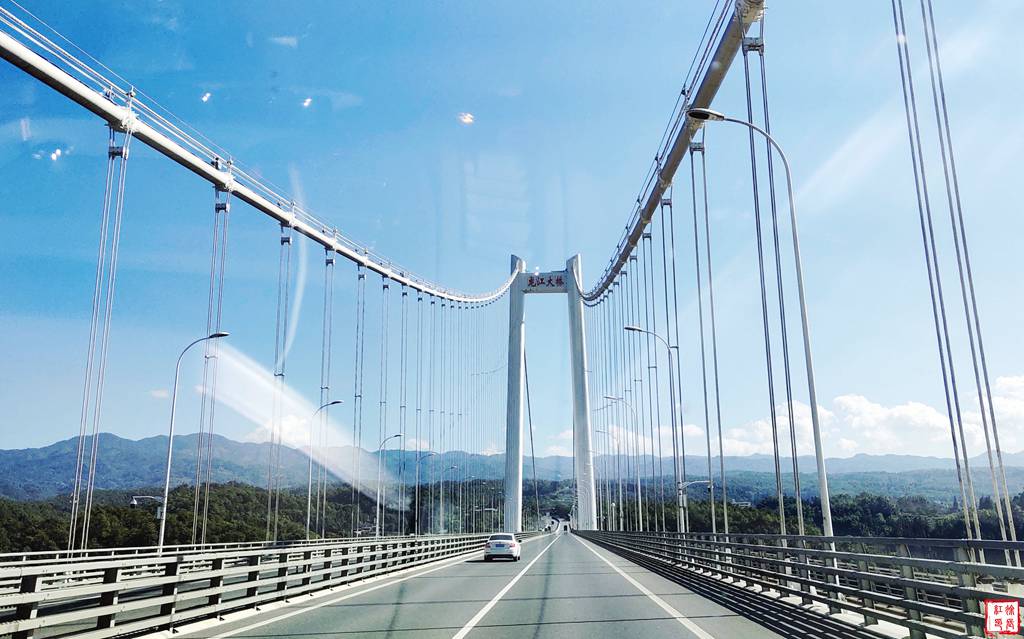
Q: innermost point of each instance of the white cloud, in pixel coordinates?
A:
(290, 41)
(560, 451)
(856, 424)
(159, 393)
(565, 435)
(417, 444)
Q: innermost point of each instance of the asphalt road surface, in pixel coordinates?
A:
(562, 587)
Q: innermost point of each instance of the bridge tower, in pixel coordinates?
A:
(569, 282)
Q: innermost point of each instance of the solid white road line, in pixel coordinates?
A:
(675, 614)
(490, 604)
(331, 600)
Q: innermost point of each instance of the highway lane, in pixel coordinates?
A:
(563, 587)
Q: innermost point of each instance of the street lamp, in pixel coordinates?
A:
(682, 506)
(707, 115)
(639, 499)
(417, 506)
(618, 476)
(687, 484)
(377, 510)
(462, 516)
(309, 484)
(170, 435)
(444, 526)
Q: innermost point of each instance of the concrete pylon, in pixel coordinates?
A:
(586, 500)
(514, 406)
(568, 282)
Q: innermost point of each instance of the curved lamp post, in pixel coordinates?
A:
(707, 115)
(639, 497)
(309, 483)
(170, 435)
(444, 525)
(682, 507)
(377, 511)
(417, 498)
(618, 478)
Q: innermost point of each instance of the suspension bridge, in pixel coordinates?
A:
(447, 367)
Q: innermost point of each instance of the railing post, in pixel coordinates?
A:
(27, 611)
(344, 562)
(108, 598)
(909, 592)
(169, 590)
(216, 581)
(802, 572)
(282, 571)
(867, 586)
(968, 580)
(253, 578)
(307, 567)
(328, 564)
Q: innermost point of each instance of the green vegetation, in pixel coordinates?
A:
(863, 515)
(237, 512)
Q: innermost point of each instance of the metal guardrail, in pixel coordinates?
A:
(932, 587)
(107, 594)
(52, 556)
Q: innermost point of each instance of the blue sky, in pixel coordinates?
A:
(569, 102)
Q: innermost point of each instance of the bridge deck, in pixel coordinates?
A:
(563, 587)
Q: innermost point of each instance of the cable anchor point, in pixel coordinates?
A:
(753, 44)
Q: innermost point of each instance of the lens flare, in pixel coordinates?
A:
(248, 388)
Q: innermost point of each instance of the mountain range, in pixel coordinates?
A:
(41, 473)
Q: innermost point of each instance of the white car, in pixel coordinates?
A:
(502, 545)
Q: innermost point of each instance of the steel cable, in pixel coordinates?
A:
(703, 350)
(764, 304)
(934, 278)
(357, 394)
(714, 342)
(115, 243)
(90, 355)
(783, 327)
(963, 268)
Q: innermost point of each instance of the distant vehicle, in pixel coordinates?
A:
(502, 545)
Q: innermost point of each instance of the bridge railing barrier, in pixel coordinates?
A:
(933, 587)
(114, 592)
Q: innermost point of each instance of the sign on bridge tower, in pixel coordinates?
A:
(566, 282)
